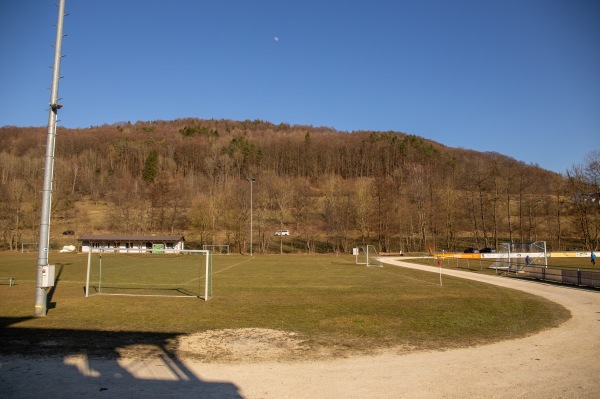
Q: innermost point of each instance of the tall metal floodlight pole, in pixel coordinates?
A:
(44, 243)
(251, 181)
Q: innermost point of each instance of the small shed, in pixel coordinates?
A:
(131, 243)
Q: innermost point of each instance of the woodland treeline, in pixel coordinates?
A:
(332, 190)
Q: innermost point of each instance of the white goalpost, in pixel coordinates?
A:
(366, 255)
(172, 273)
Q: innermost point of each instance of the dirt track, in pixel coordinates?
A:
(558, 363)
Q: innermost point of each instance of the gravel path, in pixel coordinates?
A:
(559, 363)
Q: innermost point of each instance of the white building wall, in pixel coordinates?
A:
(139, 247)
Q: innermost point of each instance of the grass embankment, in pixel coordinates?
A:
(327, 300)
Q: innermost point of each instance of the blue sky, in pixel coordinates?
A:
(518, 77)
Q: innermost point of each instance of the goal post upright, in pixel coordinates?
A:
(208, 274)
(87, 275)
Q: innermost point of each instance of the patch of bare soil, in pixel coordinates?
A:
(242, 345)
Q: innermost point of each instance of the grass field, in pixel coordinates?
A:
(325, 299)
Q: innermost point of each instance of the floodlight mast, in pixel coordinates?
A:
(251, 180)
(44, 243)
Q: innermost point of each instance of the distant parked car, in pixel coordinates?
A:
(486, 250)
(471, 250)
(282, 233)
(68, 233)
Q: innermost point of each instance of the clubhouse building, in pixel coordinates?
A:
(130, 243)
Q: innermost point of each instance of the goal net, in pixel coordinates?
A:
(173, 273)
(366, 255)
(29, 247)
(217, 249)
(514, 256)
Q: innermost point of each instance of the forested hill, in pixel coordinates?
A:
(331, 188)
(221, 150)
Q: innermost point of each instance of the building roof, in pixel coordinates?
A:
(111, 237)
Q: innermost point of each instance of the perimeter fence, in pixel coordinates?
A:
(579, 276)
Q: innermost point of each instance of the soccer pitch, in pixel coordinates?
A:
(327, 300)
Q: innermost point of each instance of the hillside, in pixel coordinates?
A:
(331, 189)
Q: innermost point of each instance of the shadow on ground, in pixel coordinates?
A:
(94, 364)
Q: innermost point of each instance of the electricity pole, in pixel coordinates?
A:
(44, 243)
